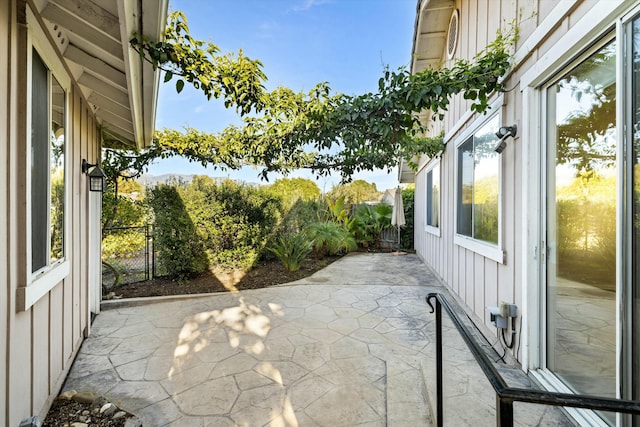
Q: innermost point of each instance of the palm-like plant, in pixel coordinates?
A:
(291, 250)
(330, 238)
(370, 221)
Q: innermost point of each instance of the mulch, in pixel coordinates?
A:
(267, 273)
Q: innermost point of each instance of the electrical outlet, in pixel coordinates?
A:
(504, 309)
(508, 310)
(497, 318)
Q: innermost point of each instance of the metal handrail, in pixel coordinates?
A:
(505, 395)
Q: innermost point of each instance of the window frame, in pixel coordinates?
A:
(40, 282)
(491, 251)
(429, 228)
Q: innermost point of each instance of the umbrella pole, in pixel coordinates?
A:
(398, 238)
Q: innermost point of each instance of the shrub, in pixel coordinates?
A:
(406, 237)
(291, 250)
(180, 250)
(369, 222)
(124, 243)
(330, 238)
(230, 222)
(296, 219)
(234, 221)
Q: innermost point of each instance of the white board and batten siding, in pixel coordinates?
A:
(37, 344)
(476, 280)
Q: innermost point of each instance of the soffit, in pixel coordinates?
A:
(93, 38)
(429, 41)
(430, 33)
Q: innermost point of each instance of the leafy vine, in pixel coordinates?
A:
(318, 130)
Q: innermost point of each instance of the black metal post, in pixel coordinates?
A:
(504, 408)
(153, 252)
(147, 236)
(439, 373)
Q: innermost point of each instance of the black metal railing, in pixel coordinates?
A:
(505, 395)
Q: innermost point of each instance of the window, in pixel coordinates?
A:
(479, 185)
(48, 107)
(433, 196)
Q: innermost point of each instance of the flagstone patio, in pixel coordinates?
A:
(347, 346)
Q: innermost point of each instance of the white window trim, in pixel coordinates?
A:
(39, 283)
(600, 19)
(487, 250)
(494, 253)
(430, 228)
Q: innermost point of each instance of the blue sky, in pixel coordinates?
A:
(346, 43)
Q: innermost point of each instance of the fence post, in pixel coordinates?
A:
(147, 236)
(153, 251)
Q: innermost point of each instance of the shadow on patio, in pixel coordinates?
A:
(347, 346)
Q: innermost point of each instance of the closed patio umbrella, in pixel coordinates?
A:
(397, 215)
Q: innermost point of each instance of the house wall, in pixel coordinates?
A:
(476, 280)
(37, 345)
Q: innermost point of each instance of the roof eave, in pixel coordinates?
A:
(146, 17)
(429, 36)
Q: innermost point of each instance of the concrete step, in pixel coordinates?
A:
(406, 404)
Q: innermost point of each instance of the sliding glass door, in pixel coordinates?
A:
(581, 224)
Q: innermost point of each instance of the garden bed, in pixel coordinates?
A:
(267, 273)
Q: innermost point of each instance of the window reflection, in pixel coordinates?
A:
(433, 196)
(479, 184)
(581, 229)
(57, 171)
(47, 166)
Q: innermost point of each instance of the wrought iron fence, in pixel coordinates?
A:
(506, 395)
(127, 255)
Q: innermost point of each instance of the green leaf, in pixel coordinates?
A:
(179, 85)
(167, 76)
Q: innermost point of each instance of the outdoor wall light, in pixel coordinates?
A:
(503, 133)
(96, 176)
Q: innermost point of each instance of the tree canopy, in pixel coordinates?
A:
(355, 192)
(291, 190)
(284, 130)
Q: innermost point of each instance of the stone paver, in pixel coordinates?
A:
(344, 347)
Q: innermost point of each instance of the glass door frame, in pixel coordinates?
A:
(546, 376)
(600, 20)
(628, 380)
(537, 361)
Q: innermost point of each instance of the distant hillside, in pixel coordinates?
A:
(152, 180)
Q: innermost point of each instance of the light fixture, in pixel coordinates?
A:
(503, 133)
(96, 176)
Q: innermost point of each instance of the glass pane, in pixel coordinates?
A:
(486, 184)
(581, 226)
(465, 187)
(39, 162)
(57, 171)
(430, 197)
(435, 195)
